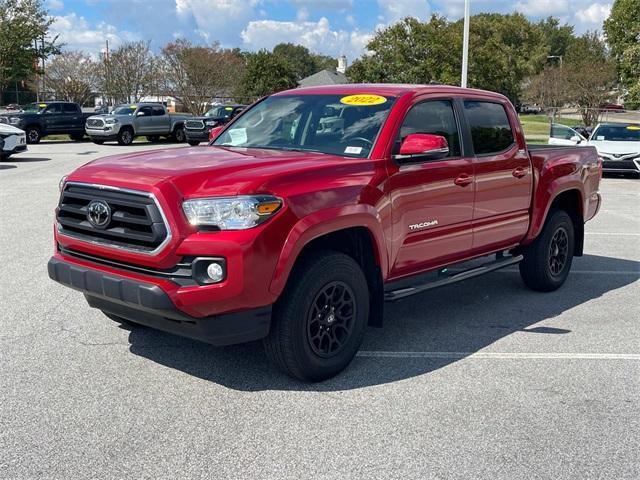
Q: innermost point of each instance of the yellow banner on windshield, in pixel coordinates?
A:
(363, 100)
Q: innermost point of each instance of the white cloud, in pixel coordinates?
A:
(596, 13)
(330, 4)
(54, 5)
(394, 10)
(316, 36)
(222, 19)
(77, 34)
(537, 8)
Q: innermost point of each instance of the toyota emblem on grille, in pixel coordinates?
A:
(98, 213)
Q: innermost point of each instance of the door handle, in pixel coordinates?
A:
(520, 172)
(463, 180)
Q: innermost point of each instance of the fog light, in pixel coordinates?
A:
(215, 272)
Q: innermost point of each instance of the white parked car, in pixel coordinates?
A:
(618, 144)
(12, 140)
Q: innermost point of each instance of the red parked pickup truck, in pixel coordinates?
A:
(314, 207)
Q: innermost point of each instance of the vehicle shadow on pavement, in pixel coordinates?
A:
(28, 159)
(461, 318)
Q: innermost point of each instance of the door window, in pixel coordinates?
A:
(55, 108)
(158, 111)
(146, 111)
(435, 117)
(490, 128)
(562, 132)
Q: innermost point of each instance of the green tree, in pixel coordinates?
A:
(22, 22)
(265, 73)
(302, 61)
(504, 50)
(622, 30)
(557, 37)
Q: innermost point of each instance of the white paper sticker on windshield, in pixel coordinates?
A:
(600, 137)
(353, 150)
(238, 136)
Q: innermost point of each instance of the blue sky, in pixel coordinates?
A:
(332, 27)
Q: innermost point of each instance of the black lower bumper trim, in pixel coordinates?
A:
(149, 305)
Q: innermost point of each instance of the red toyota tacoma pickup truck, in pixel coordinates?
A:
(315, 206)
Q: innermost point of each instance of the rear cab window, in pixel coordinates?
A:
(70, 108)
(491, 131)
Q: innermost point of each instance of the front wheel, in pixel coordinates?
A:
(179, 135)
(320, 320)
(547, 261)
(125, 136)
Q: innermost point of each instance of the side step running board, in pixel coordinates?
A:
(497, 264)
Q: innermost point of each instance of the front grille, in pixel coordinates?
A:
(194, 124)
(135, 221)
(95, 123)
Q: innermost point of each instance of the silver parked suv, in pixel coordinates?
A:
(128, 121)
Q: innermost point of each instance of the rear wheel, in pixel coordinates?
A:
(33, 135)
(125, 136)
(320, 320)
(194, 143)
(547, 261)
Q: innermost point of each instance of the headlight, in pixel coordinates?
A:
(210, 123)
(231, 213)
(111, 121)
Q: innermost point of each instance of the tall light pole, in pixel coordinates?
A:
(465, 45)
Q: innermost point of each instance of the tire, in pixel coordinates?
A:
(34, 135)
(179, 135)
(193, 143)
(77, 137)
(125, 136)
(313, 339)
(153, 138)
(547, 261)
(97, 141)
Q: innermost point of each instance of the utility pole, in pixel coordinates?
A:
(43, 73)
(38, 75)
(465, 45)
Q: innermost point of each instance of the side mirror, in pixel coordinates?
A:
(213, 133)
(140, 114)
(576, 139)
(423, 146)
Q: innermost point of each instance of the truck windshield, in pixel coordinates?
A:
(219, 112)
(617, 133)
(345, 125)
(35, 107)
(124, 110)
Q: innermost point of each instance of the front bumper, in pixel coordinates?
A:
(197, 135)
(621, 166)
(148, 304)
(103, 134)
(11, 144)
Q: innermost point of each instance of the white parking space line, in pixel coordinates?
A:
(618, 234)
(589, 272)
(501, 355)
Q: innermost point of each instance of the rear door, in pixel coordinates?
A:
(432, 201)
(503, 176)
(563, 135)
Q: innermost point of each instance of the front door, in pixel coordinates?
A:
(503, 177)
(432, 201)
(52, 118)
(563, 135)
(144, 121)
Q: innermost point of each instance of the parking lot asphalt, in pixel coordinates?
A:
(483, 379)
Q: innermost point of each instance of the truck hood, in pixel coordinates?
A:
(204, 171)
(616, 147)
